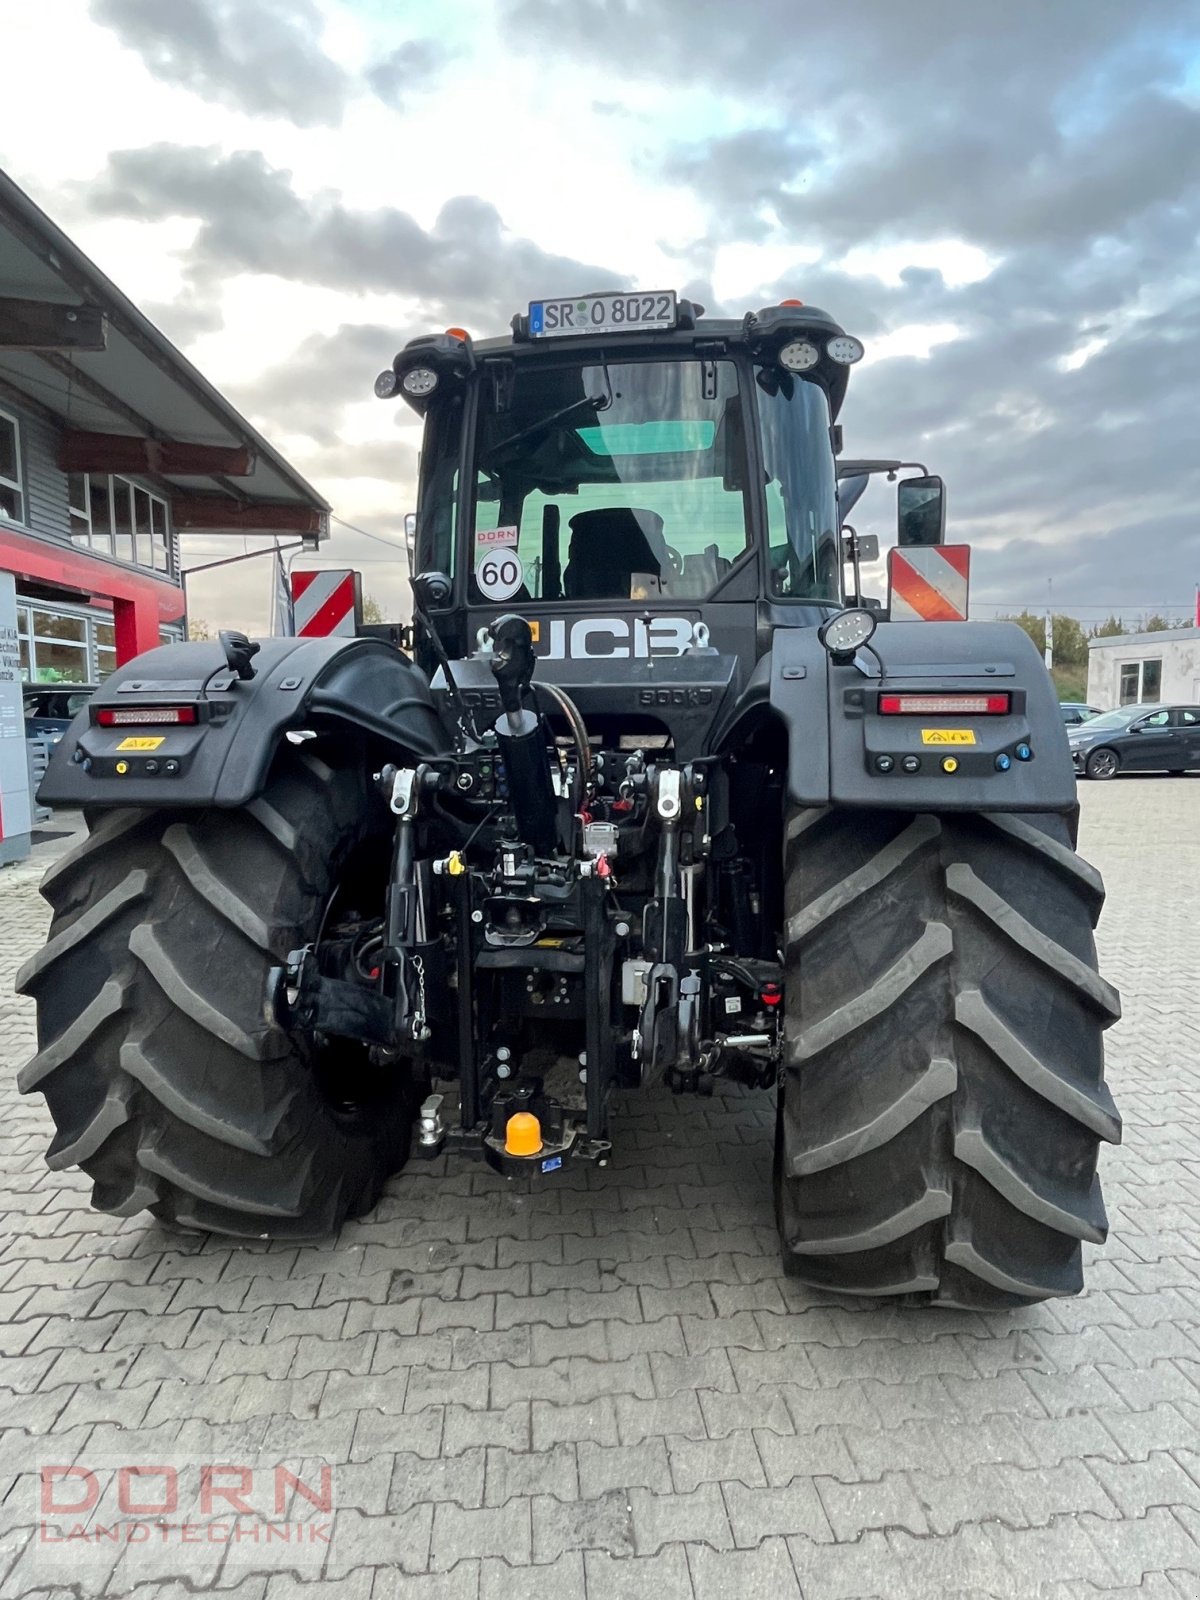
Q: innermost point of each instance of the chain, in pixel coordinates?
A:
(419, 1027)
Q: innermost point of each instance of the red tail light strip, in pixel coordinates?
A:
(143, 716)
(935, 705)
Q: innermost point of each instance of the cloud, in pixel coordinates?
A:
(467, 267)
(255, 56)
(309, 391)
(414, 67)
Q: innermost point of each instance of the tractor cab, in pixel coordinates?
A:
(625, 467)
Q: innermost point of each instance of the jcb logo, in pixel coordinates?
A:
(612, 638)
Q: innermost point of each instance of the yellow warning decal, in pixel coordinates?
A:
(141, 744)
(947, 736)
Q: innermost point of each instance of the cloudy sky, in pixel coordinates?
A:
(1002, 201)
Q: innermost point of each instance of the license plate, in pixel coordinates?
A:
(602, 313)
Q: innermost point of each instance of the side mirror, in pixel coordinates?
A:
(921, 511)
(410, 535)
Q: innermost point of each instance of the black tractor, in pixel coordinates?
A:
(657, 798)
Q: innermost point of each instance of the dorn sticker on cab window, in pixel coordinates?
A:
(947, 736)
(487, 537)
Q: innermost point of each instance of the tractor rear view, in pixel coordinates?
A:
(649, 804)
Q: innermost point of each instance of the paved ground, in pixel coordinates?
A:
(608, 1385)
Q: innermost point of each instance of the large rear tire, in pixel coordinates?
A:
(168, 1083)
(943, 1097)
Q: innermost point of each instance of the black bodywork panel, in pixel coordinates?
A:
(359, 686)
(838, 740)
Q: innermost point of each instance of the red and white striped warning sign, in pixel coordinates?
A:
(326, 602)
(929, 582)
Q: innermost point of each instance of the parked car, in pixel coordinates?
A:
(1137, 739)
(1073, 713)
(50, 708)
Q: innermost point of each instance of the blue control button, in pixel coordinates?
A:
(1024, 753)
(1003, 763)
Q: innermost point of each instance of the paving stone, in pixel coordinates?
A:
(852, 1508)
(669, 1519)
(493, 1531)
(554, 1471)
(763, 1574)
(732, 1459)
(601, 1523)
(664, 1576)
(562, 1579)
(402, 1541)
(420, 1480)
(465, 1428)
(605, 1467)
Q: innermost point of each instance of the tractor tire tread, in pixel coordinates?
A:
(167, 1081)
(942, 1096)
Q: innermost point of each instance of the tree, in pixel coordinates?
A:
(1157, 624)
(1108, 629)
(1033, 625)
(372, 611)
(197, 628)
(1070, 642)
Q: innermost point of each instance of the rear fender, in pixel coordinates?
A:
(361, 687)
(839, 742)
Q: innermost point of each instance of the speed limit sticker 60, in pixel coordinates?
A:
(499, 574)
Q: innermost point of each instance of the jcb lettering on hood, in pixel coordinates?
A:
(613, 638)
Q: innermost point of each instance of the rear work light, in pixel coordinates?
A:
(950, 705)
(143, 716)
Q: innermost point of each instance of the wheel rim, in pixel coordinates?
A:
(1103, 764)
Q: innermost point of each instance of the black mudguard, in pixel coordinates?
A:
(362, 687)
(839, 743)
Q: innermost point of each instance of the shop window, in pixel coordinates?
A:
(125, 521)
(104, 635)
(59, 648)
(58, 661)
(12, 494)
(100, 513)
(56, 625)
(80, 502)
(1141, 682)
(122, 504)
(160, 534)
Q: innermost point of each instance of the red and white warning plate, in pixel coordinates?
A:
(929, 582)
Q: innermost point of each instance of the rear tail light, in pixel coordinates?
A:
(143, 716)
(936, 705)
